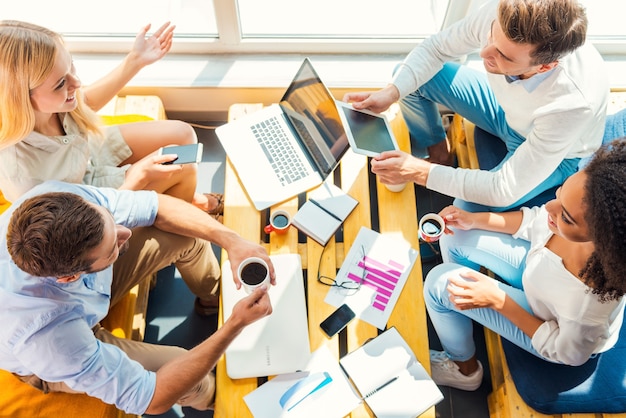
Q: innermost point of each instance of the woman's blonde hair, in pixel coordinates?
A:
(27, 56)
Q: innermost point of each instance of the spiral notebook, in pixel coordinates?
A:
(389, 377)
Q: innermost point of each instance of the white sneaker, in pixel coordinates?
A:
(445, 372)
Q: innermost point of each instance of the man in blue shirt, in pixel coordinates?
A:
(68, 252)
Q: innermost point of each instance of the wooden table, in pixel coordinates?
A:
(396, 215)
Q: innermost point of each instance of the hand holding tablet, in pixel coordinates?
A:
(368, 133)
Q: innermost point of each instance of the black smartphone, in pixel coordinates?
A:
(337, 320)
(187, 154)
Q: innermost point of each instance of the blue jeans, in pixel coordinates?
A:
(467, 92)
(500, 253)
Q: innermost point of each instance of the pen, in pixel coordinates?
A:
(316, 203)
(367, 395)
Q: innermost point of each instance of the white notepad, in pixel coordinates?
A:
(390, 378)
(320, 216)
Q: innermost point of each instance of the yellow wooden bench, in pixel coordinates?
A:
(504, 401)
(126, 319)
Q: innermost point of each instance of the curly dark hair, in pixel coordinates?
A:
(605, 214)
(52, 234)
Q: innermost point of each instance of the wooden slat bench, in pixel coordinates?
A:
(396, 214)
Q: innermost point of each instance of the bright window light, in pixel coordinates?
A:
(341, 19)
(115, 18)
(267, 26)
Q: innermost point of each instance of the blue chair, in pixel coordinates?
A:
(598, 386)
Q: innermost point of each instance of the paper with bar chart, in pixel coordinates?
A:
(381, 264)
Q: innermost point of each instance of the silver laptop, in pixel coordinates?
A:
(287, 148)
(278, 343)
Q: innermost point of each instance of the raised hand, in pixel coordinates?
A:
(150, 49)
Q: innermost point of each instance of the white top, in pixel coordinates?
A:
(72, 158)
(562, 116)
(576, 323)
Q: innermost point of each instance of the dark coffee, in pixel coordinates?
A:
(431, 227)
(280, 221)
(253, 273)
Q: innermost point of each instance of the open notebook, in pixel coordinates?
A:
(389, 377)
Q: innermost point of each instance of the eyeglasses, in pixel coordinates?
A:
(349, 287)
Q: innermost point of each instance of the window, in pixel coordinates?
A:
(324, 26)
(265, 26)
(115, 18)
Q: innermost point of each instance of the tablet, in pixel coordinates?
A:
(368, 133)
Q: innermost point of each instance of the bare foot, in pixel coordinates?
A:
(209, 202)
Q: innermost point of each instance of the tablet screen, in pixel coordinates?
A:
(370, 132)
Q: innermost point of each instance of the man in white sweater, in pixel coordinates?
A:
(544, 94)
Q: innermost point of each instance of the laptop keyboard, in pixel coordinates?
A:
(311, 145)
(279, 151)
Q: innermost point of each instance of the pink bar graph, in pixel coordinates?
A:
(381, 276)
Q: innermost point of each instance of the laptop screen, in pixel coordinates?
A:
(312, 111)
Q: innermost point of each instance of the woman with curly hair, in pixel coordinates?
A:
(562, 269)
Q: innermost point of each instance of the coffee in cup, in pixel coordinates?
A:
(431, 227)
(253, 272)
(280, 221)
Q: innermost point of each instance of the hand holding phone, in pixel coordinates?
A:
(337, 320)
(187, 154)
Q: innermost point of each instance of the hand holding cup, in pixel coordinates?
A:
(431, 227)
(253, 272)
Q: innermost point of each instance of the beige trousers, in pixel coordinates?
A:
(149, 251)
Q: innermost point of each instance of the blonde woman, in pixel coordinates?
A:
(49, 129)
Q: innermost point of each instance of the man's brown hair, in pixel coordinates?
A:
(51, 235)
(554, 27)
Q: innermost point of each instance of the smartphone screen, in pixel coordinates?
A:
(187, 154)
(337, 320)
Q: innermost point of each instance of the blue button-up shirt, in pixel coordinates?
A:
(46, 325)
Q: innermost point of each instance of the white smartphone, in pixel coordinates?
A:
(368, 133)
(187, 154)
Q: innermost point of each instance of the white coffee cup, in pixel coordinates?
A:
(431, 227)
(253, 272)
(395, 187)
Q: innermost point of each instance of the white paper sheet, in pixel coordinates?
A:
(336, 399)
(383, 264)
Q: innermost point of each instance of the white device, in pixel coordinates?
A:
(368, 133)
(275, 344)
(287, 148)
